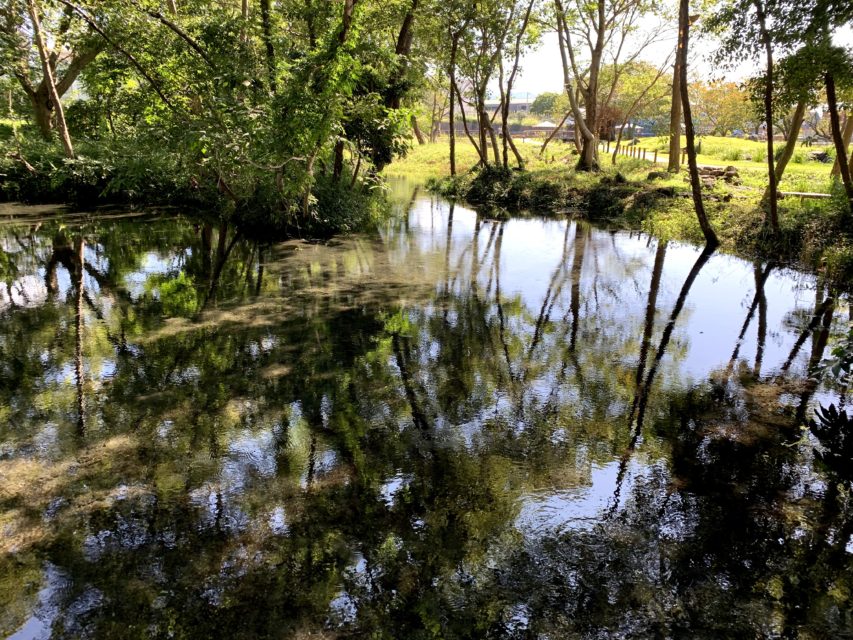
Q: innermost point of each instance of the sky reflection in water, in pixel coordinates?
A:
(456, 427)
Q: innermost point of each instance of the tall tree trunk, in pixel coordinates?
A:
(504, 109)
(483, 120)
(588, 151)
(772, 219)
(172, 6)
(266, 29)
(338, 167)
(506, 97)
(402, 49)
(790, 144)
(846, 136)
(244, 13)
(840, 149)
(38, 35)
(346, 21)
(454, 47)
(674, 163)
(42, 111)
(695, 184)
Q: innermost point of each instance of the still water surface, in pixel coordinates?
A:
(453, 428)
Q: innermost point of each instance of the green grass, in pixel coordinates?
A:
(750, 158)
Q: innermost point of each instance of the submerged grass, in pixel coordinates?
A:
(636, 193)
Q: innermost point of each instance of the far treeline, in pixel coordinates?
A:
(285, 112)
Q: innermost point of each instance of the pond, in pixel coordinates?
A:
(456, 427)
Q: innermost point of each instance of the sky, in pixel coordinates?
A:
(542, 70)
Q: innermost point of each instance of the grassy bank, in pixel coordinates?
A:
(803, 173)
(635, 193)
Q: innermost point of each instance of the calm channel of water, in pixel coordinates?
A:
(454, 428)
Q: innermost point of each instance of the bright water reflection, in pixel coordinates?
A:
(456, 428)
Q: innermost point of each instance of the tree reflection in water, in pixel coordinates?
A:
(456, 427)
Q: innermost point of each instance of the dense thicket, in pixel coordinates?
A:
(258, 105)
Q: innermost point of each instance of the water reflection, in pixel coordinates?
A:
(455, 427)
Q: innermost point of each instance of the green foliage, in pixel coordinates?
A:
(178, 296)
(207, 108)
(544, 103)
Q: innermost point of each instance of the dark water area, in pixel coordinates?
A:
(455, 427)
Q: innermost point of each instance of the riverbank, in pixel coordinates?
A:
(635, 193)
(262, 203)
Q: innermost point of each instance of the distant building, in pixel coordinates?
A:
(515, 106)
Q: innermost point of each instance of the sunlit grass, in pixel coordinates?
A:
(751, 155)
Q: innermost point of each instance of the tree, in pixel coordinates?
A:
(720, 107)
(637, 94)
(66, 49)
(604, 29)
(696, 186)
(544, 103)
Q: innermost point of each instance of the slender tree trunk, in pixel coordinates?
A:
(266, 29)
(618, 142)
(553, 134)
(504, 109)
(790, 145)
(481, 151)
(492, 137)
(695, 184)
(505, 99)
(846, 136)
(518, 157)
(355, 171)
(38, 35)
(762, 324)
(418, 133)
(651, 311)
(244, 13)
(674, 162)
(172, 6)
(840, 149)
(588, 151)
(772, 219)
(78, 342)
(454, 47)
(679, 303)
